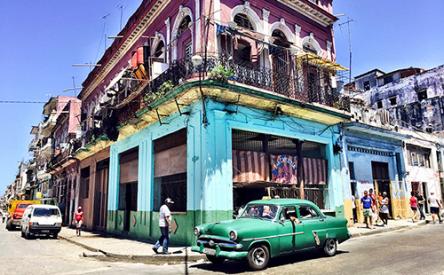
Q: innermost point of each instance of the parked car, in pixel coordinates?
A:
(270, 228)
(15, 212)
(41, 220)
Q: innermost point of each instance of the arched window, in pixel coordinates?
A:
(280, 39)
(184, 25)
(309, 48)
(242, 21)
(159, 52)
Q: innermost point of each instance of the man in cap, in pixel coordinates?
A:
(164, 225)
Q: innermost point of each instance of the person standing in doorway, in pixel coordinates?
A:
(414, 206)
(367, 204)
(165, 219)
(384, 210)
(421, 202)
(78, 217)
(435, 205)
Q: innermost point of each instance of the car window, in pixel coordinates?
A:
(22, 206)
(288, 212)
(262, 211)
(307, 212)
(45, 212)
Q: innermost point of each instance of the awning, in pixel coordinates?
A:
(319, 61)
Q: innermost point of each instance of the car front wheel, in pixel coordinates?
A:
(258, 257)
(330, 247)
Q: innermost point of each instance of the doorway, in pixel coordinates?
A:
(100, 195)
(381, 178)
(129, 162)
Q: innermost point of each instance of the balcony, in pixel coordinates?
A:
(47, 149)
(48, 125)
(304, 80)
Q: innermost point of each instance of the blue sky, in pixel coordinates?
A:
(40, 40)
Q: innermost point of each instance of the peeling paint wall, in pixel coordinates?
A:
(402, 98)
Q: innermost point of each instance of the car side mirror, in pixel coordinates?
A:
(29, 215)
(282, 220)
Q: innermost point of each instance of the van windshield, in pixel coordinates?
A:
(46, 212)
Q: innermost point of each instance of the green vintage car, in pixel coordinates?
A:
(270, 228)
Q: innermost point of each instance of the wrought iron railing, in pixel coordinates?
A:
(292, 83)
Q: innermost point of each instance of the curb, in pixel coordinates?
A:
(385, 230)
(146, 259)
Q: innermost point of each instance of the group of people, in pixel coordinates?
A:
(417, 204)
(375, 208)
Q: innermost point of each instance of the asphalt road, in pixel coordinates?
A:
(412, 251)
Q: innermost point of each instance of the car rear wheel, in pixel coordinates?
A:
(215, 260)
(258, 257)
(330, 247)
(27, 234)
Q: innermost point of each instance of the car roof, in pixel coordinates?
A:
(44, 206)
(282, 202)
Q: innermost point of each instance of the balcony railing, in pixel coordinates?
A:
(289, 82)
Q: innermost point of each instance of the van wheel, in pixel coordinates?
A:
(215, 260)
(8, 226)
(23, 233)
(330, 247)
(258, 257)
(27, 234)
(55, 236)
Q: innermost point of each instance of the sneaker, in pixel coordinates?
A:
(155, 250)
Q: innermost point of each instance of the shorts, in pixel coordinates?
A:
(414, 209)
(434, 210)
(368, 212)
(79, 224)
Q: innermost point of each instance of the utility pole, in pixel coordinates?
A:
(121, 16)
(104, 27)
(349, 20)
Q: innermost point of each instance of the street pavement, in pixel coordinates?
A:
(409, 251)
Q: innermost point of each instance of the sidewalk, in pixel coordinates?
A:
(108, 247)
(112, 248)
(360, 229)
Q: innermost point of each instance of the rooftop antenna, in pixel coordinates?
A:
(121, 16)
(349, 20)
(104, 26)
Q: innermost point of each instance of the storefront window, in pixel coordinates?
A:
(170, 171)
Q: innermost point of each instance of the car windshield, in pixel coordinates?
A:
(45, 212)
(22, 206)
(260, 211)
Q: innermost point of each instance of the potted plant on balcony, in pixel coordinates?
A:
(221, 73)
(161, 91)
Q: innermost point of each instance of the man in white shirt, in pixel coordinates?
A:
(164, 225)
(435, 205)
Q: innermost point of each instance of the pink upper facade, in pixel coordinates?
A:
(181, 26)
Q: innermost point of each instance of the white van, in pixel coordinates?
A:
(40, 219)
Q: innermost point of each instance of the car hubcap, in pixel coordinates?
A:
(331, 245)
(258, 256)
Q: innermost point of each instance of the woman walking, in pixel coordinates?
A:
(414, 206)
(384, 210)
(78, 217)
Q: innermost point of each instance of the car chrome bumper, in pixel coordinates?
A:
(233, 255)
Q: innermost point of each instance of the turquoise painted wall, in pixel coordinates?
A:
(209, 156)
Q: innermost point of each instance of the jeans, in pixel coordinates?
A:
(164, 239)
(421, 211)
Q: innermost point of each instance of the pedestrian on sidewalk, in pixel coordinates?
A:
(414, 206)
(165, 219)
(435, 205)
(421, 202)
(78, 217)
(384, 210)
(375, 206)
(367, 205)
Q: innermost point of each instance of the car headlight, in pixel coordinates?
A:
(196, 231)
(233, 235)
